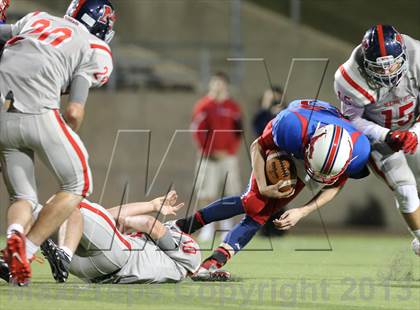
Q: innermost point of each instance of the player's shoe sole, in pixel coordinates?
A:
(58, 260)
(205, 275)
(20, 269)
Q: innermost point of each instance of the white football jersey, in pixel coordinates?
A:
(149, 264)
(382, 108)
(44, 55)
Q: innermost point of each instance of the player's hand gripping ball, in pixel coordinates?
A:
(279, 166)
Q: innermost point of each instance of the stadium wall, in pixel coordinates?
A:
(264, 35)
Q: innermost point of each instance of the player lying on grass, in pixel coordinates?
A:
(326, 150)
(152, 253)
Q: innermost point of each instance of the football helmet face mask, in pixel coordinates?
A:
(385, 59)
(328, 154)
(98, 16)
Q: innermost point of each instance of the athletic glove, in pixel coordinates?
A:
(404, 140)
(410, 142)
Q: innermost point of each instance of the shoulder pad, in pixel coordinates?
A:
(350, 86)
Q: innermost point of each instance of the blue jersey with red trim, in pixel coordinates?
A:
(293, 128)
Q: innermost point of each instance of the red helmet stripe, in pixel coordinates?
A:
(332, 153)
(380, 33)
(79, 6)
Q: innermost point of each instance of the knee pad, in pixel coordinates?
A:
(407, 198)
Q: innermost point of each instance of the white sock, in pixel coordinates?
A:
(67, 251)
(417, 233)
(16, 227)
(31, 249)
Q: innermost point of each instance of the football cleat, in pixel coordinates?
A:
(4, 268)
(415, 245)
(212, 274)
(58, 260)
(20, 269)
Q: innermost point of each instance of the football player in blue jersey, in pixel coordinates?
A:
(326, 150)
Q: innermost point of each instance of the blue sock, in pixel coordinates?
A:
(237, 239)
(222, 209)
(242, 233)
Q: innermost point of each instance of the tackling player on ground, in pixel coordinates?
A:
(44, 57)
(152, 253)
(326, 149)
(379, 87)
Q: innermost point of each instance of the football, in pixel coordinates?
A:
(279, 166)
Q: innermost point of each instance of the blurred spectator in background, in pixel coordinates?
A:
(268, 109)
(217, 126)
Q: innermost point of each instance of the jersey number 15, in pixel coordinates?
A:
(404, 116)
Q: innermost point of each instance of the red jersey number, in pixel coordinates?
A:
(404, 117)
(54, 36)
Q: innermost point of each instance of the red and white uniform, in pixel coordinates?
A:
(106, 255)
(38, 64)
(376, 111)
(44, 55)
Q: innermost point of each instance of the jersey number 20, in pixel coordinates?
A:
(58, 35)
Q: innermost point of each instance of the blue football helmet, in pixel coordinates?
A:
(385, 59)
(97, 15)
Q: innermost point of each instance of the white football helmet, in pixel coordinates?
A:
(328, 153)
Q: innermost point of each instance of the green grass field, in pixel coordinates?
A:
(361, 272)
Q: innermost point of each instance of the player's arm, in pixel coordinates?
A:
(94, 71)
(146, 224)
(257, 150)
(258, 165)
(373, 131)
(165, 205)
(134, 219)
(353, 107)
(75, 110)
(152, 227)
(258, 169)
(397, 140)
(290, 218)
